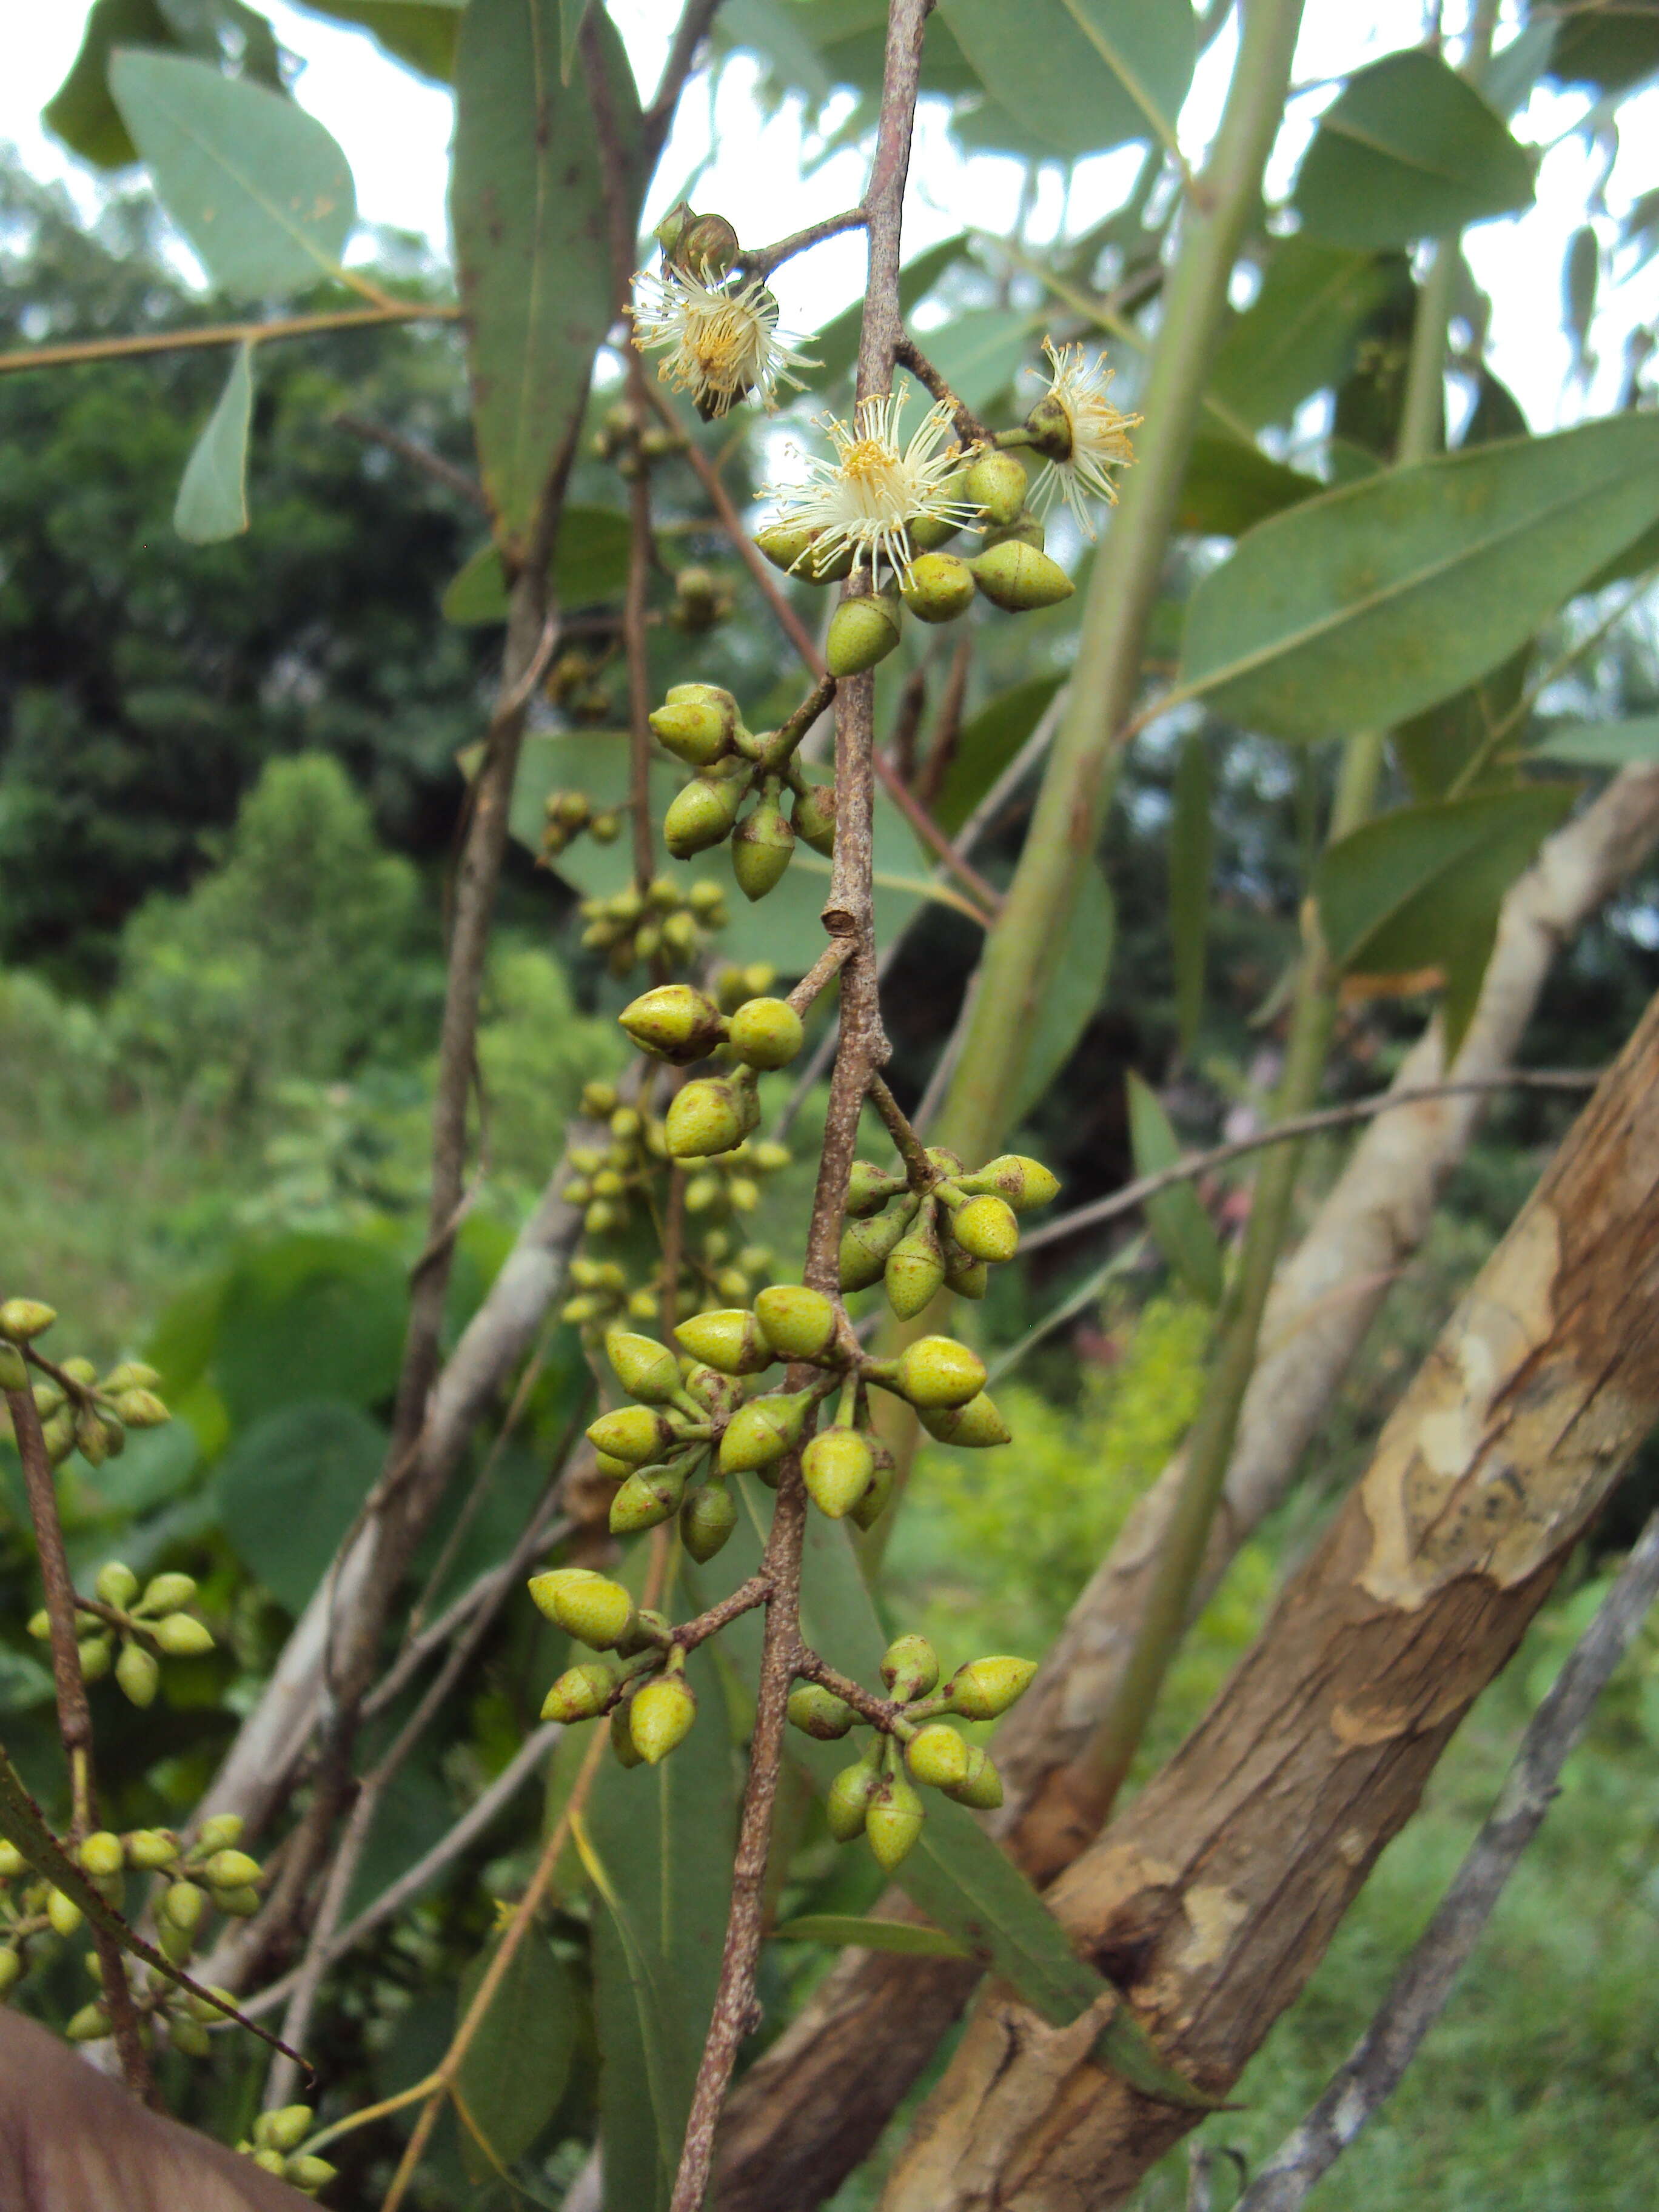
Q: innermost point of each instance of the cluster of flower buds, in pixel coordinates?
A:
(641, 1679)
(713, 1114)
(916, 1241)
(130, 1624)
(80, 1410)
(625, 441)
(277, 2145)
(661, 922)
(910, 1742)
(576, 685)
(700, 725)
(566, 815)
(703, 599)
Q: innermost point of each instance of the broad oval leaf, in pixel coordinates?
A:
(257, 186)
(518, 2061)
(420, 33)
(1408, 150)
(526, 204)
(847, 1931)
(1181, 1229)
(1082, 75)
(212, 502)
(1299, 333)
(1631, 744)
(310, 1316)
(80, 112)
(289, 1488)
(1229, 487)
(1370, 603)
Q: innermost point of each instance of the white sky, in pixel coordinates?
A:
(395, 130)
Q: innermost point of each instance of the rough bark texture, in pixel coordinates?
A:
(814, 2105)
(1213, 1899)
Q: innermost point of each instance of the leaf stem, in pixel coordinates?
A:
(223, 334)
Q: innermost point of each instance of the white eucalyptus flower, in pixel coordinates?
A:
(865, 499)
(722, 341)
(1081, 433)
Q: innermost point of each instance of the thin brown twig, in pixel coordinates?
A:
(1136, 1194)
(970, 431)
(75, 1718)
(947, 726)
(762, 260)
(221, 334)
(920, 1171)
(828, 964)
(418, 456)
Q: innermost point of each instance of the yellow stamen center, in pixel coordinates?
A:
(866, 462)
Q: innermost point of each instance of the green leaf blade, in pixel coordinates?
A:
(1081, 75)
(1192, 852)
(212, 502)
(1180, 1228)
(847, 1931)
(517, 2065)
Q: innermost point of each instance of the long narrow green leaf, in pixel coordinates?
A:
(516, 2067)
(847, 1931)
(1182, 1229)
(1191, 851)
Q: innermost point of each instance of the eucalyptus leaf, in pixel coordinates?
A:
(518, 2061)
(212, 502)
(1192, 848)
(80, 112)
(1631, 744)
(422, 33)
(1408, 150)
(257, 186)
(527, 207)
(1298, 335)
(978, 353)
(1229, 487)
(289, 1488)
(1081, 74)
(989, 743)
(590, 565)
(1074, 993)
(1181, 1229)
(847, 1931)
(1371, 602)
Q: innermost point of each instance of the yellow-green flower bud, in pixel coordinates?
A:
(708, 246)
(24, 1319)
(14, 1375)
(910, 1667)
(231, 1869)
(285, 2128)
(149, 1850)
(11, 1968)
(308, 2173)
(866, 1247)
(598, 1612)
(836, 1467)
(915, 1268)
(89, 1437)
(137, 1675)
(708, 1116)
(762, 845)
(1050, 425)
(693, 731)
(937, 1370)
(760, 1433)
(869, 1188)
(846, 1801)
(103, 1854)
(1019, 580)
(674, 1022)
(791, 548)
(13, 1864)
(812, 817)
(861, 633)
(131, 1375)
(985, 1228)
(581, 1692)
(96, 1655)
(269, 2161)
(981, 1787)
(222, 1833)
(80, 1370)
(976, 1425)
(819, 1712)
(766, 1032)
(707, 1520)
(184, 1905)
(62, 1912)
(1026, 529)
(650, 1495)
(116, 1585)
(635, 1433)
(168, 1593)
(240, 1904)
(661, 1716)
(182, 1636)
(1025, 1183)
(939, 588)
(798, 1324)
(728, 1338)
(987, 1688)
(996, 485)
(39, 1625)
(59, 1435)
(893, 1821)
(938, 1756)
(89, 2025)
(645, 1368)
(141, 1409)
(876, 1498)
(702, 815)
(968, 1278)
(928, 532)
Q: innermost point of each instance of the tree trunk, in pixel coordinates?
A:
(814, 2105)
(1213, 1899)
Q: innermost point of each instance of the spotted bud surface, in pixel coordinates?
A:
(116, 1585)
(866, 1246)
(968, 1278)
(581, 1692)
(798, 1324)
(707, 1520)
(708, 1116)
(893, 1821)
(819, 1712)
(939, 588)
(846, 1801)
(675, 1023)
(869, 1188)
(937, 1370)
(702, 815)
(598, 1612)
(103, 1854)
(836, 1467)
(182, 1636)
(812, 817)
(938, 1756)
(22, 1320)
(909, 1668)
(766, 1032)
(693, 732)
(861, 633)
(137, 1675)
(714, 1392)
(650, 1495)
(981, 1787)
(1025, 1183)
(915, 1268)
(879, 1496)
(660, 1717)
(762, 845)
(760, 1433)
(1019, 580)
(976, 1425)
(987, 1228)
(987, 1688)
(728, 1338)
(645, 1368)
(635, 1433)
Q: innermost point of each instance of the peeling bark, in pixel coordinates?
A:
(1211, 1901)
(812, 2108)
